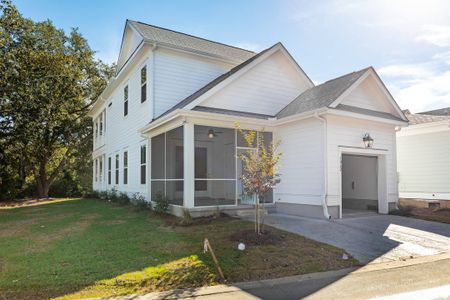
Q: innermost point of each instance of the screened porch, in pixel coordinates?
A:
(197, 166)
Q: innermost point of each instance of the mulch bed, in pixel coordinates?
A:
(251, 238)
(174, 221)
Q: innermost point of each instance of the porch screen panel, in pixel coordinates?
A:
(167, 174)
(174, 166)
(158, 157)
(215, 166)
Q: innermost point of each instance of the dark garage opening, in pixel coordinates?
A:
(359, 184)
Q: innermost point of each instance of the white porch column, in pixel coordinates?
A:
(189, 156)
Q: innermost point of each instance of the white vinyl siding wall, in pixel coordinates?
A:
(266, 88)
(424, 165)
(301, 166)
(122, 132)
(178, 75)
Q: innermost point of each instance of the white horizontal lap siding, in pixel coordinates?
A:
(367, 95)
(266, 88)
(122, 133)
(424, 165)
(301, 166)
(348, 132)
(178, 75)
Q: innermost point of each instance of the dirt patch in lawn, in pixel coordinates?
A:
(174, 221)
(437, 215)
(251, 238)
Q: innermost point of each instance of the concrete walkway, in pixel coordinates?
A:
(421, 278)
(371, 238)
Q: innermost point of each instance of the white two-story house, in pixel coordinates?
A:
(166, 124)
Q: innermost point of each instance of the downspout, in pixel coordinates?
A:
(325, 167)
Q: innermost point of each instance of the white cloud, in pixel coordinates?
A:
(420, 87)
(444, 57)
(250, 46)
(409, 71)
(435, 35)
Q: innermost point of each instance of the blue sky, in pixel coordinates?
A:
(408, 42)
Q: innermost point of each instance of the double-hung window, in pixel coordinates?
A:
(125, 101)
(125, 167)
(143, 163)
(143, 84)
(96, 170)
(109, 170)
(101, 124)
(117, 168)
(100, 174)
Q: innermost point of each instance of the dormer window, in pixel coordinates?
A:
(125, 100)
(143, 84)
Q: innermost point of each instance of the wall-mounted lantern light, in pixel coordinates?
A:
(211, 134)
(368, 141)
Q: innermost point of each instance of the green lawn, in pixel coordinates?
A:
(91, 248)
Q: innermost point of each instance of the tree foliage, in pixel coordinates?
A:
(260, 171)
(48, 80)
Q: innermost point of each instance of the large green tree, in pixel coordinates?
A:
(48, 80)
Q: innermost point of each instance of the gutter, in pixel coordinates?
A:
(325, 167)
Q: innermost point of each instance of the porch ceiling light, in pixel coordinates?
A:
(211, 134)
(368, 141)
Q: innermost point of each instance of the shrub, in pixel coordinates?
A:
(112, 195)
(139, 202)
(103, 195)
(123, 198)
(161, 204)
(92, 194)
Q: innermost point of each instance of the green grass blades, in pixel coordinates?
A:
(83, 248)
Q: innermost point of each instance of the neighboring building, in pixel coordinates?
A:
(424, 158)
(166, 124)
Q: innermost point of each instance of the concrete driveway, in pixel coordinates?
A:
(372, 238)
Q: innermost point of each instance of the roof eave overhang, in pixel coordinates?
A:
(180, 116)
(343, 113)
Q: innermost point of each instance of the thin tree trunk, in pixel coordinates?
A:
(262, 214)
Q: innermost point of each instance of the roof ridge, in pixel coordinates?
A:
(194, 36)
(339, 77)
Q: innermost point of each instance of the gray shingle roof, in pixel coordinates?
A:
(232, 112)
(182, 40)
(421, 118)
(321, 95)
(368, 112)
(437, 112)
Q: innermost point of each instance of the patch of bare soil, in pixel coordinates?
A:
(251, 238)
(173, 221)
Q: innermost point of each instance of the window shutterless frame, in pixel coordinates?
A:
(125, 101)
(109, 170)
(125, 167)
(143, 164)
(117, 168)
(143, 84)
